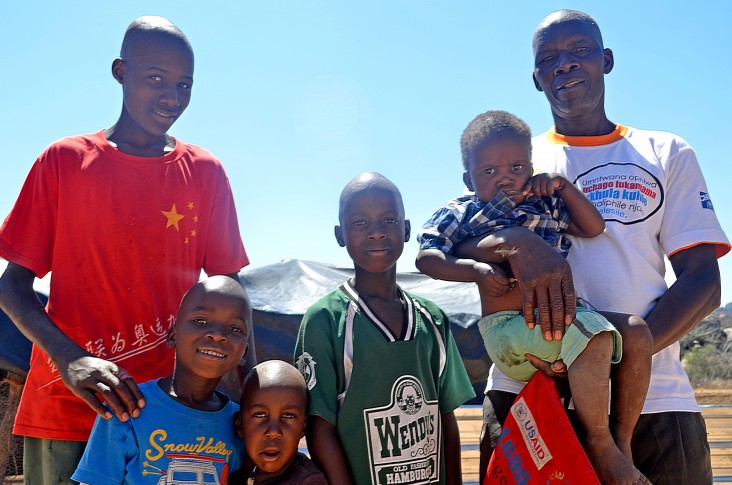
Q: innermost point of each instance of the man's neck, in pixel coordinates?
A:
(595, 124)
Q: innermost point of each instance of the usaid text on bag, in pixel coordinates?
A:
(537, 444)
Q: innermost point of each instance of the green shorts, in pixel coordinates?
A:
(507, 339)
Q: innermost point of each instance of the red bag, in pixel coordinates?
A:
(537, 443)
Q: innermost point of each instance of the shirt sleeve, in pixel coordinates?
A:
(109, 449)
(27, 235)
(225, 251)
(442, 230)
(689, 218)
(316, 359)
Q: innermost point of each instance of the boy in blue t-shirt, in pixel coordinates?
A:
(186, 430)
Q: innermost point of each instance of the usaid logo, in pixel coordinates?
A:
(706, 201)
(530, 433)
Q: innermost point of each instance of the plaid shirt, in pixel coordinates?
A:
(468, 216)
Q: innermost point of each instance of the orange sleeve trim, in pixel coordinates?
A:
(721, 248)
(587, 141)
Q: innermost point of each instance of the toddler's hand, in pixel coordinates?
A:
(545, 184)
(492, 279)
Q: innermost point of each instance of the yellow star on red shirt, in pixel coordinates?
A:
(173, 217)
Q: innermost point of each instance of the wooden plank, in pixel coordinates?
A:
(718, 420)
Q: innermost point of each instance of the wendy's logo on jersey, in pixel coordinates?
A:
(404, 436)
(409, 397)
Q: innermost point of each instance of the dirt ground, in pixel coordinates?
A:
(705, 395)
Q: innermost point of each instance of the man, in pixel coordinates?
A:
(652, 195)
(125, 219)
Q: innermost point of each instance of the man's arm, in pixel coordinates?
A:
(326, 451)
(696, 292)
(451, 435)
(544, 277)
(86, 375)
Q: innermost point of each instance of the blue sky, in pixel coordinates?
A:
(297, 97)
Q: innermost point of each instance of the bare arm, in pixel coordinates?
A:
(696, 292)
(451, 434)
(489, 277)
(86, 375)
(326, 451)
(543, 276)
(586, 220)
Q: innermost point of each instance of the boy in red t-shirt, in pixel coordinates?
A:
(125, 219)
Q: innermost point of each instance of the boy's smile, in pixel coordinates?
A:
(502, 163)
(157, 77)
(211, 333)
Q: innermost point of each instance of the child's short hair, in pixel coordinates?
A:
(491, 123)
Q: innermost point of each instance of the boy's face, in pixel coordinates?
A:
(273, 421)
(501, 163)
(570, 66)
(211, 333)
(156, 77)
(373, 229)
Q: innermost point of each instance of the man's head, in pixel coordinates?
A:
(212, 329)
(570, 63)
(371, 219)
(496, 149)
(155, 69)
(273, 413)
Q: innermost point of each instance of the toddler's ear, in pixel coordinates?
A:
(339, 236)
(468, 181)
(238, 424)
(170, 339)
(407, 230)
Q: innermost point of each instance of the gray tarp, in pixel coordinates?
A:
(281, 293)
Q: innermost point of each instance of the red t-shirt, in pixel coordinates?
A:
(124, 237)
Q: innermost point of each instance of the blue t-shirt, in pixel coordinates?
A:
(168, 443)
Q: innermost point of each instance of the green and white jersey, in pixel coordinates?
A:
(383, 392)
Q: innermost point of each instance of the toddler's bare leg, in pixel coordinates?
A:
(589, 377)
(630, 377)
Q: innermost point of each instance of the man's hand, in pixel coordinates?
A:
(97, 380)
(544, 277)
(545, 281)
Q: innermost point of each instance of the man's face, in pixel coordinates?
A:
(156, 77)
(569, 67)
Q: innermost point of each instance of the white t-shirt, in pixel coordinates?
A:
(650, 190)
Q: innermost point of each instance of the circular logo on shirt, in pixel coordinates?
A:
(622, 192)
(409, 396)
